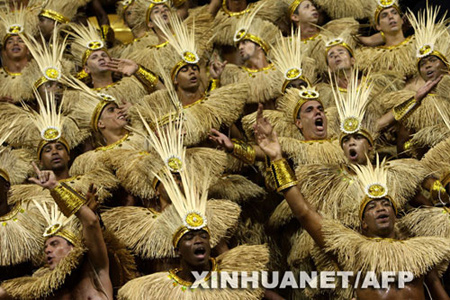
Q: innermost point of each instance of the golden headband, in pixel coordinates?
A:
(382, 5)
(291, 75)
(338, 42)
(294, 6)
(44, 142)
(360, 131)
(189, 58)
(54, 16)
(193, 220)
(4, 175)
(126, 4)
(13, 29)
(305, 96)
(376, 188)
(58, 230)
(93, 46)
(428, 50)
(153, 4)
(106, 99)
(242, 35)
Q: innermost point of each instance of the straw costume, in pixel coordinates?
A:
(398, 58)
(13, 23)
(264, 83)
(190, 212)
(61, 11)
(431, 40)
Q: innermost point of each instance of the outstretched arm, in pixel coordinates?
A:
(305, 213)
(435, 287)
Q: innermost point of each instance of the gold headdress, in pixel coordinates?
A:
(373, 181)
(61, 11)
(88, 109)
(49, 59)
(48, 121)
(431, 35)
(289, 56)
(351, 105)
(13, 22)
(58, 224)
(344, 39)
(382, 5)
(182, 40)
(86, 41)
(152, 4)
(256, 30)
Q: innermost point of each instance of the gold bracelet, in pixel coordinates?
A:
(243, 151)
(404, 109)
(68, 200)
(436, 189)
(105, 30)
(213, 84)
(283, 175)
(147, 77)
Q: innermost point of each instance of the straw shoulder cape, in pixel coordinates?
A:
(428, 221)
(18, 86)
(138, 228)
(223, 106)
(263, 84)
(160, 286)
(356, 252)
(128, 50)
(435, 161)
(426, 115)
(400, 58)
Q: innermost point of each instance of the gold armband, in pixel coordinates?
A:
(148, 78)
(68, 200)
(107, 33)
(244, 151)
(283, 175)
(213, 84)
(404, 109)
(436, 189)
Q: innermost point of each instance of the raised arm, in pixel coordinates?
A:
(286, 181)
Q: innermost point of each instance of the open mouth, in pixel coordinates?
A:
(16, 49)
(430, 74)
(49, 260)
(353, 154)
(315, 15)
(193, 79)
(319, 124)
(56, 159)
(200, 252)
(383, 217)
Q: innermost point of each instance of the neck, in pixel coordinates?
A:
(138, 31)
(160, 35)
(163, 203)
(258, 61)
(102, 79)
(236, 6)
(188, 97)
(186, 270)
(383, 235)
(61, 174)
(4, 207)
(308, 30)
(112, 136)
(394, 38)
(15, 66)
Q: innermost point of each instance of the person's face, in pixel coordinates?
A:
(431, 67)
(247, 49)
(15, 48)
(54, 87)
(55, 157)
(378, 218)
(161, 190)
(55, 249)
(339, 59)
(159, 11)
(356, 148)
(194, 249)
(389, 20)
(130, 16)
(312, 121)
(306, 13)
(46, 26)
(96, 63)
(111, 118)
(297, 84)
(188, 78)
